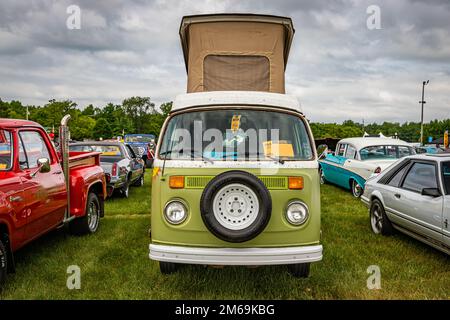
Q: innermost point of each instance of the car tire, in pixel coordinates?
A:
(236, 206)
(168, 267)
(139, 182)
(299, 270)
(379, 222)
(125, 190)
(3, 264)
(357, 190)
(322, 176)
(89, 223)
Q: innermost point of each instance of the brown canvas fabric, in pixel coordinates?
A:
(236, 38)
(236, 72)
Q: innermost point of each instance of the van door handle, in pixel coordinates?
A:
(397, 195)
(57, 172)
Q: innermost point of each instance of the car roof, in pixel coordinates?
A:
(236, 98)
(436, 156)
(362, 142)
(16, 123)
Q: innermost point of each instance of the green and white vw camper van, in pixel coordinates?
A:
(235, 177)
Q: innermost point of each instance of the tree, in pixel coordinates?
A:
(102, 129)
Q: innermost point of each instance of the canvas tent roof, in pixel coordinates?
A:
(236, 51)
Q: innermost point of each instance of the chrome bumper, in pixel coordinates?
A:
(236, 256)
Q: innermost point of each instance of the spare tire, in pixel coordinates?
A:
(236, 206)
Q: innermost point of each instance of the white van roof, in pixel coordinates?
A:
(236, 98)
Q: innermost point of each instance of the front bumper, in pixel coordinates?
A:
(236, 256)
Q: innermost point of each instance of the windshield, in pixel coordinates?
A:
(140, 138)
(385, 152)
(105, 150)
(236, 134)
(5, 150)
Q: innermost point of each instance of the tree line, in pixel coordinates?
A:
(139, 115)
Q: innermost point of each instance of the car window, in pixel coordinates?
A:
(341, 149)
(396, 179)
(420, 176)
(446, 176)
(6, 148)
(385, 152)
(33, 148)
(130, 152)
(350, 153)
(81, 148)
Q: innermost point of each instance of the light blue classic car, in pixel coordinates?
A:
(355, 160)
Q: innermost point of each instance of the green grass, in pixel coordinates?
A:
(114, 262)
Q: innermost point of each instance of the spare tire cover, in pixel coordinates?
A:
(236, 206)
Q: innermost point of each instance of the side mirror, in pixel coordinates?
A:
(322, 151)
(432, 192)
(44, 165)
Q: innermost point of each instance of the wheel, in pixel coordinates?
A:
(322, 176)
(236, 206)
(378, 220)
(125, 190)
(168, 267)
(139, 182)
(90, 221)
(357, 190)
(3, 263)
(299, 270)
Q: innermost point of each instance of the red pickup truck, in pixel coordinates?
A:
(34, 193)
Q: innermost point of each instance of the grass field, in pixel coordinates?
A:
(114, 262)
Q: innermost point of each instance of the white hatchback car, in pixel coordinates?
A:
(413, 196)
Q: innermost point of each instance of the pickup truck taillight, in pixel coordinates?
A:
(114, 170)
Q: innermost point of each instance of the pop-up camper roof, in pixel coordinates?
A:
(244, 52)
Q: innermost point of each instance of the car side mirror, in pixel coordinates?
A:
(432, 192)
(322, 151)
(44, 165)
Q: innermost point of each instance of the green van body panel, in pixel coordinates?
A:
(193, 232)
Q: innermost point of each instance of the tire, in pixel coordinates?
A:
(168, 267)
(236, 206)
(379, 221)
(357, 190)
(139, 182)
(125, 190)
(299, 270)
(322, 177)
(3, 264)
(89, 223)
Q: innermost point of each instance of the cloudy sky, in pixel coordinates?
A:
(338, 68)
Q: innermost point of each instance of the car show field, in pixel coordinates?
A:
(114, 262)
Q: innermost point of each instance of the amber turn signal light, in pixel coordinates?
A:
(296, 183)
(176, 182)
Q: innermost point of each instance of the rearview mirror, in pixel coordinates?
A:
(432, 192)
(322, 151)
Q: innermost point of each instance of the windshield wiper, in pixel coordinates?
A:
(191, 151)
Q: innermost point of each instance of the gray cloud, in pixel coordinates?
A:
(338, 68)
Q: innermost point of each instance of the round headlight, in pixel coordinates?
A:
(175, 212)
(297, 213)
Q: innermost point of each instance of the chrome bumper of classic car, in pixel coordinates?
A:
(236, 256)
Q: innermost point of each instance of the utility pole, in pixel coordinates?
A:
(421, 118)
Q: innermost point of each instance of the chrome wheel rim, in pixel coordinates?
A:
(93, 216)
(376, 220)
(357, 189)
(235, 206)
(322, 178)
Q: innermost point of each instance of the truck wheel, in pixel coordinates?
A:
(90, 221)
(378, 220)
(236, 206)
(139, 182)
(3, 264)
(299, 270)
(168, 267)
